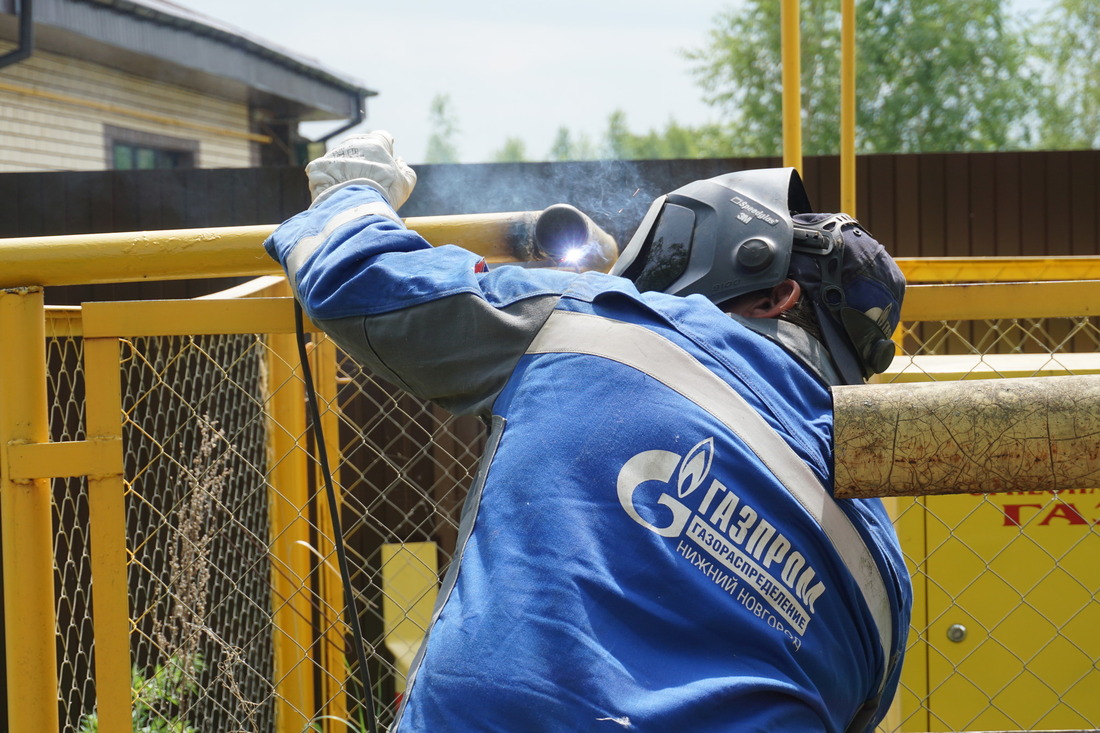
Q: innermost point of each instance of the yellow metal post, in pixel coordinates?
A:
(107, 530)
(334, 658)
(26, 513)
(848, 107)
(292, 635)
(792, 80)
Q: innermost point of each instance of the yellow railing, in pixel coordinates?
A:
(148, 499)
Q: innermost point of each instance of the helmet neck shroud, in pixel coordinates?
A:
(860, 344)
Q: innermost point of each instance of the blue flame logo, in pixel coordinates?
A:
(695, 467)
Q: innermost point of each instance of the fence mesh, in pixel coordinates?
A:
(197, 526)
(72, 573)
(1006, 634)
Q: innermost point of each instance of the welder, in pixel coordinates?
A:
(650, 543)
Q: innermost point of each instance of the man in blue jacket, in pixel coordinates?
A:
(650, 543)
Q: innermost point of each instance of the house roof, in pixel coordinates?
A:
(161, 39)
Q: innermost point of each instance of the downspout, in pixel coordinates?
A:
(360, 115)
(26, 35)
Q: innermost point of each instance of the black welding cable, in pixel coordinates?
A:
(337, 533)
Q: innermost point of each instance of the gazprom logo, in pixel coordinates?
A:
(690, 472)
(732, 533)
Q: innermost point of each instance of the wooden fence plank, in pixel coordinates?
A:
(1007, 187)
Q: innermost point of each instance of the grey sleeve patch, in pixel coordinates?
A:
(457, 351)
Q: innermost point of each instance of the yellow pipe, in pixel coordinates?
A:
(131, 112)
(792, 80)
(180, 254)
(134, 256)
(26, 514)
(235, 251)
(848, 107)
(291, 615)
(95, 457)
(993, 301)
(107, 535)
(132, 319)
(333, 657)
(998, 269)
(63, 321)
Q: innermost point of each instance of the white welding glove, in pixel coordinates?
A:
(366, 159)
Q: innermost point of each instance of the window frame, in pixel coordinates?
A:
(185, 151)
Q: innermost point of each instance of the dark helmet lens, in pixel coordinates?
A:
(669, 249)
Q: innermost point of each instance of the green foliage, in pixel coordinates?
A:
(740, 74)
(159, 700)
(514, 151)
(939, 76)
(1068, 45)
(568, 147)
(442, 147)
(932, 75)
(673, 141)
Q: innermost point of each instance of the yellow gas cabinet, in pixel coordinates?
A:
(1006, 621)
(1006, 632)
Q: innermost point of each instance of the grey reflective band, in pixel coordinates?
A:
(654, 355)
(306, 246)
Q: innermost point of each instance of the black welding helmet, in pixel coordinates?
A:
(720, 237)
(736, 234)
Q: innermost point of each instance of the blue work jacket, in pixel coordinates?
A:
(650, 543)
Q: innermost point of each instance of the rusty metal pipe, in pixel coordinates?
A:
(974, 436)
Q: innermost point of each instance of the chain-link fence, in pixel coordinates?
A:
(214, 559)
(1006, 626)
(236, 603)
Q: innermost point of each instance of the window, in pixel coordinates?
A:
(136, 150)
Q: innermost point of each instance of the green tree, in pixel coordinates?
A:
(513, 151)
(1068, 45)
(932, 75)
(618, 140)
(444, 129)
(566, 146)
(941, 76)
(672, 141)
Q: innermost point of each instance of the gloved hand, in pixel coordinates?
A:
(366, 159)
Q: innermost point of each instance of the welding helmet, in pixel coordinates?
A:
(750, 230)
(720, 237)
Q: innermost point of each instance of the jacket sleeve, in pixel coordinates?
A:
(427, 319)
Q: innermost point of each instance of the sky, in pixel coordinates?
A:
(511, 69)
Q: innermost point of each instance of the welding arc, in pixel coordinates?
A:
(352, 611)
(561, 228)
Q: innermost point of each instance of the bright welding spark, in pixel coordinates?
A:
(573, 256)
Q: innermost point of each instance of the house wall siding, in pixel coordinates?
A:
(42, 130)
